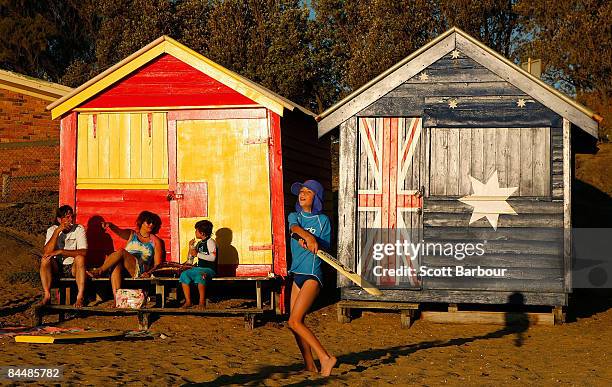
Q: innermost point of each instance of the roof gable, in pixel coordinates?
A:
(166, 45)
(435, 50)
(167, 82)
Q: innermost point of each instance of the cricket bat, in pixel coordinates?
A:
(345, 271)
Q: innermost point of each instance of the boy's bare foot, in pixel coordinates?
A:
(312, 368)
(79, 302)
(201, 306)
(327, 365)
(186, 305)
(45, 300)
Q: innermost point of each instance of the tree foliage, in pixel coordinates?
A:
(41, 38)
(363, 39)
(493, 22)
(313, 52)
(264, 40)
(574, 40)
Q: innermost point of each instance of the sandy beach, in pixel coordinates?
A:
(371, 350)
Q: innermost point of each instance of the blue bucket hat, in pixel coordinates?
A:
(314, 186)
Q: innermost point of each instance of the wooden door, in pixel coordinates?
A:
(389, 186)
(222, 174)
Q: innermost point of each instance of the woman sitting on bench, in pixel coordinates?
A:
(142, 253)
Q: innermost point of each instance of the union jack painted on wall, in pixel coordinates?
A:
(388, 190)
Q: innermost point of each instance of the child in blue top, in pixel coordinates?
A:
(203, 256)
(314, 230)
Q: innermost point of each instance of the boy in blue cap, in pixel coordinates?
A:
(314, 231)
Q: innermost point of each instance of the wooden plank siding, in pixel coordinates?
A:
(457, 153)
(119, 150)
(347, 198)
(389, 176)
(557, 163)
(488, 130)
(68, 160)
(484, 100)
(528, 245)
(456, 296)
(167, 81)
(121, 207)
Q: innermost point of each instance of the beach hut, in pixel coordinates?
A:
(170, 131)
(457, 144)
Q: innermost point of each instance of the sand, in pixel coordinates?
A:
(371, 350)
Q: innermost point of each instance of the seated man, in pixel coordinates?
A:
(64, 253)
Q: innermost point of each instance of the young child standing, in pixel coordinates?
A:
(203, 256)
(314, 231)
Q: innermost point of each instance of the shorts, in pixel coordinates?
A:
(196, 275)
(140, 267)
(65, 270)
(300, 279)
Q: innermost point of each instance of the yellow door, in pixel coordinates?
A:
(223, 176)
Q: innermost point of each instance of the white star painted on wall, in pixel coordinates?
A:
(424, 76)
(452, 103)
(489, 200)
(455, 54)
(520, 103)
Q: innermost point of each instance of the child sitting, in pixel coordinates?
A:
(203, 256)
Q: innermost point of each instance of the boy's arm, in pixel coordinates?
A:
(81, 249)
(50, 247)
(325, 238)
(212, 248)
(192, 249)
(310, 240)
(51, 242)
(71, 253)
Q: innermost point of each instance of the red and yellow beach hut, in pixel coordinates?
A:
(170, 131)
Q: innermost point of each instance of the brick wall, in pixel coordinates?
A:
(29, 145)
(24, 118)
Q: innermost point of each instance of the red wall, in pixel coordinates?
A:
(167, 81)
(122, 208)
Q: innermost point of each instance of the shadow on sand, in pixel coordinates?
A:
(516, 324)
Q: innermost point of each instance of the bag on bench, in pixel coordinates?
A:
(131, 298)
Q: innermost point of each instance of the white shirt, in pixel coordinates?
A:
(75, 239)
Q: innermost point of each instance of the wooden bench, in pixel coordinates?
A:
(162, 285)
(144, 314)
(408, 311)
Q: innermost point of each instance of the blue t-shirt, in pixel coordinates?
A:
(303, 261)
